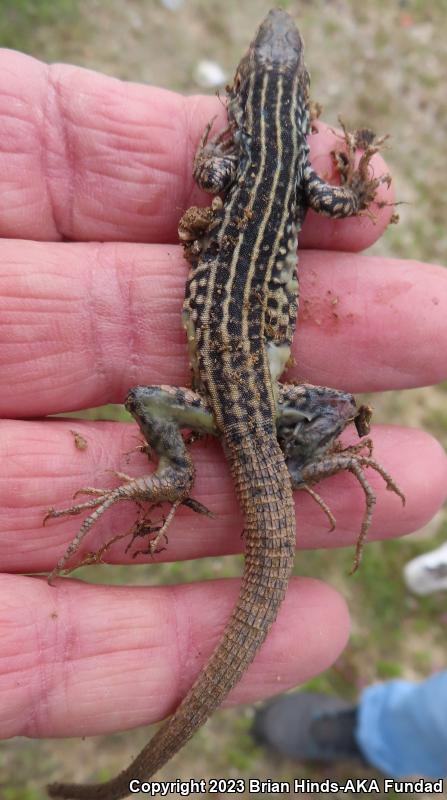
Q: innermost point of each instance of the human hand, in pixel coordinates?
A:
(87, 159)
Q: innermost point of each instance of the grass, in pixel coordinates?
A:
(26, 23)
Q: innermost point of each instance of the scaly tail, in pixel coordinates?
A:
(263, 487)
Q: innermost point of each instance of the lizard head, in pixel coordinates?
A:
(277, 41)
(277, 44)
(277, 49)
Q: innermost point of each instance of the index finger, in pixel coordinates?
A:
(88, 157)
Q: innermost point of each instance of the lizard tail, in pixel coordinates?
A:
(263, 486)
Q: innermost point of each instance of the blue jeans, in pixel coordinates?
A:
(402, 727)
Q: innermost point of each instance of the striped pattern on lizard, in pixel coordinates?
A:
(239, 314)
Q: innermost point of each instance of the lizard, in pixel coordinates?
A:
(239, 314)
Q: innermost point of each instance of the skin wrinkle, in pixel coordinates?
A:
(114, 113)
(38, 707)
(150, 642)
(54, 119)
(11, 192)
(36, 713)
(182, 637)
(135, 172)
(188, 109)
(63, 659)
(14, 116)
(103, 175)
(125, 279)
(130, 131)
(103, 375)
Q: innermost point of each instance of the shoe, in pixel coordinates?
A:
(308, 727)
(427, 573)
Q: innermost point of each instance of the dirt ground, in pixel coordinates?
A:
(382, 64)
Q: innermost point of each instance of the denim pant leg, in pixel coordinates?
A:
(402, 727)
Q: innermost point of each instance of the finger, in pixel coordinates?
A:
(81, 324)
(371, 324)
(119, 657)
(88, 157)
(41, 467)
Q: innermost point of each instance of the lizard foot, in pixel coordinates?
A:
(154, 489)
(358, 178)
(352, 460)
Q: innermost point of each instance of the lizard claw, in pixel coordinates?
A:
(352, 460)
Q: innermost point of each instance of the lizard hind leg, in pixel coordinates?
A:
(351, 460)
(161, 413)
(309, 422)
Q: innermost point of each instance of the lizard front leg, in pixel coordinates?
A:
(214, 170)
(161, 412)
(216, 160)
(358, 188)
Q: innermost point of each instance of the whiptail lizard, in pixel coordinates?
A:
(239, 314)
